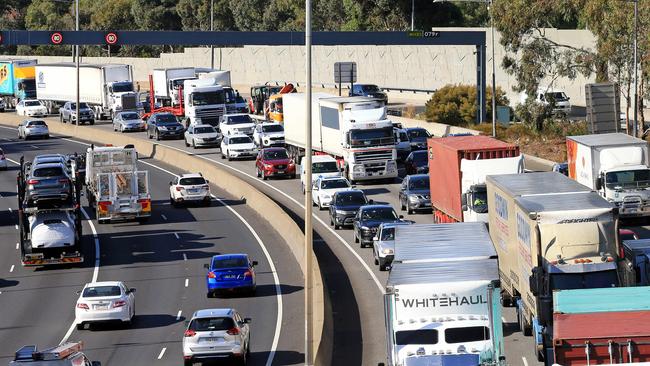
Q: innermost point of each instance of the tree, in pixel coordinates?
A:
(155, 15)
(248, 15)
(284, 15)
(456, 104)
(195, 15)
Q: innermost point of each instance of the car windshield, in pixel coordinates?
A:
(379, 213)
(231, 262)
(418, 336)
(273, 128)
(194, 181)
(419, 182)
(205, 130)
(240, 140)
(369, 88)
(238, 120)
(388, 233)
(556, 96)
(628, 179)
(130, 115)
(54, 171)
(335, 183)
(420, 158)
(166, 119)
(324, 167)
(32, 103)
(350, 198)
(100, 291)
(36, 123)
(418, 133)
(208, 98)
(211, 324)
(276, 155)
(81, 106)
(52, 221)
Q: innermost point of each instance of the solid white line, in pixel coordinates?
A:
(187, 282)
(162, 353)
(12, 268)
(184, 256)
(178, 316)
(163, 216)
(525, 361)
(176, 235)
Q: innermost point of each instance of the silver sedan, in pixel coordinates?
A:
(128, 121)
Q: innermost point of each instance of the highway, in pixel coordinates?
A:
(163, 259)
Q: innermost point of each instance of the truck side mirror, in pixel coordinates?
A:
(463, 201)
(206, 266)
(534, 281)
(599, 183)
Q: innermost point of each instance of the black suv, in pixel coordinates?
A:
(164, 125)
(69, 113)
(368, 219)
(345, 205)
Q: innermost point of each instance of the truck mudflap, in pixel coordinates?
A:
(538, 333)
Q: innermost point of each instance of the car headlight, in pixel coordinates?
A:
(387, 251)
(162, 128)
(413, 198)
(340, 212)
(358, 169)
(365, 228)
(327, 197)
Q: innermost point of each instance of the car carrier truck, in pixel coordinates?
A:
(460, 164)
(441, 306)
(354, 130)
(114, 185)
(17, 81)
(615, 165)
(106, 88)
(551, 234)
(50, 230)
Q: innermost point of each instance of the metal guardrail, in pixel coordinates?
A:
(335, 86)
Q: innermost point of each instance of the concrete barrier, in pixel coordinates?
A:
(264, 206)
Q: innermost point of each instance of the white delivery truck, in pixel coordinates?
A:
(353, 130)
(441, 304)
(615, 165)
(106, 88)
(235, 103)
(168, 82)
(114, 185)
(204, 101)
(551, 233)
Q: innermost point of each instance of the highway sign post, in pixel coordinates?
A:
(345, 72)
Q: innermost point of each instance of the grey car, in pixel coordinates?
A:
(128, 121)
(415, 194)
(69, 113)
(33, 128)
(383, 245)
(49, 181)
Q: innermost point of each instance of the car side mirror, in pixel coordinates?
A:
(187, 322)
(132, 290)
(463, 200)
(599, 183)
(371, 201)
(534, 281)
(207, 181)
(206, 266)
(248, 320)
(401, 216)
(255, 263)
(170, 183)
(78, 292)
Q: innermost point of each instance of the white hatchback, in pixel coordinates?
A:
(237, 147)
(324, 189)
(189, 187)
(105, 301)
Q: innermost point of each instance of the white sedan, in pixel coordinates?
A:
(237, 147)
(105, 301)
(201, 135)
(31, 108)
(324, 188)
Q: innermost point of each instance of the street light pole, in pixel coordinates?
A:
(412, 15)
(77, 59)
(309, 356)
(494, 77)
(636, 68)
(212, 29)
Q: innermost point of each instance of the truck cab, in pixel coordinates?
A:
(204, 101)
(627, 186)
(122, 97)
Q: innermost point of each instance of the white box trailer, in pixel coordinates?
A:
(106, 88)
(167, 82)
(615, 165)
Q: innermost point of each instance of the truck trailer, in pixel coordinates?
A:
(550, 233)
(17, 81)
(615, 165)
(442, 306)
(354, 130)
(601, 326)
(460, 164)
(168, 82)
(106, 88)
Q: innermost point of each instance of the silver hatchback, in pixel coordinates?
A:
(383, 245)
(216, 334)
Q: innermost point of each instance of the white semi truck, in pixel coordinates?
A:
(234, 102)
(204, 101)
(168, 82)
(114, 185)
(354, 130)
(106, 88)
(441, 304)
(615, 165)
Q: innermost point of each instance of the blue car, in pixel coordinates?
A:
(230, 273)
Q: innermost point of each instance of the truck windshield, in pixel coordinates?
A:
(372, 137)
(122, 87)
(28, 85)
(479, 200)
(231, 96)
(467, 334)
(628, 179)
(573, 281)
(208, 98)
(418, 336)
(325, 167)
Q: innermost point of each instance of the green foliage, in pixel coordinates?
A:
(248, 14)
(456, 105)
(155, 15)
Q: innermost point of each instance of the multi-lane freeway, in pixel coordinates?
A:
(162, 259)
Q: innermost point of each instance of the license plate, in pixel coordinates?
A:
(100, 307)
(230, 277)
(193, 190)
(210, 339)
(280, 172)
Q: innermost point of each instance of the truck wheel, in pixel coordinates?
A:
(92, 121)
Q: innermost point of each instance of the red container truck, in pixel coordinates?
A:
(458, 166)
(601, 338)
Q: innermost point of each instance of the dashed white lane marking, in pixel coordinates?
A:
(187, 282)
(184, 256)
(525, 361)
(17, 245)
(176, 235)
(12, 268)
(163, 216)
(11, 210)
(16, 226)
(34, 146)
(162, 353)
(178, 316)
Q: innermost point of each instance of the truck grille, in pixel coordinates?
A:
(129, 102)
(210, 116)
(373, 155)
(374, 167)
(632, 202)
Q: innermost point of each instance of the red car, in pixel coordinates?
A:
(273, 162)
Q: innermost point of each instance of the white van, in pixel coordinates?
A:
(321, 166)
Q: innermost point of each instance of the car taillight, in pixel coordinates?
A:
(179, 188)
(212, 275)
(32, 181)
(189, 333)
(206, 186)
(248, 273)
(81, 305)
(233, 331)
(64, 180)
(119, 303)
